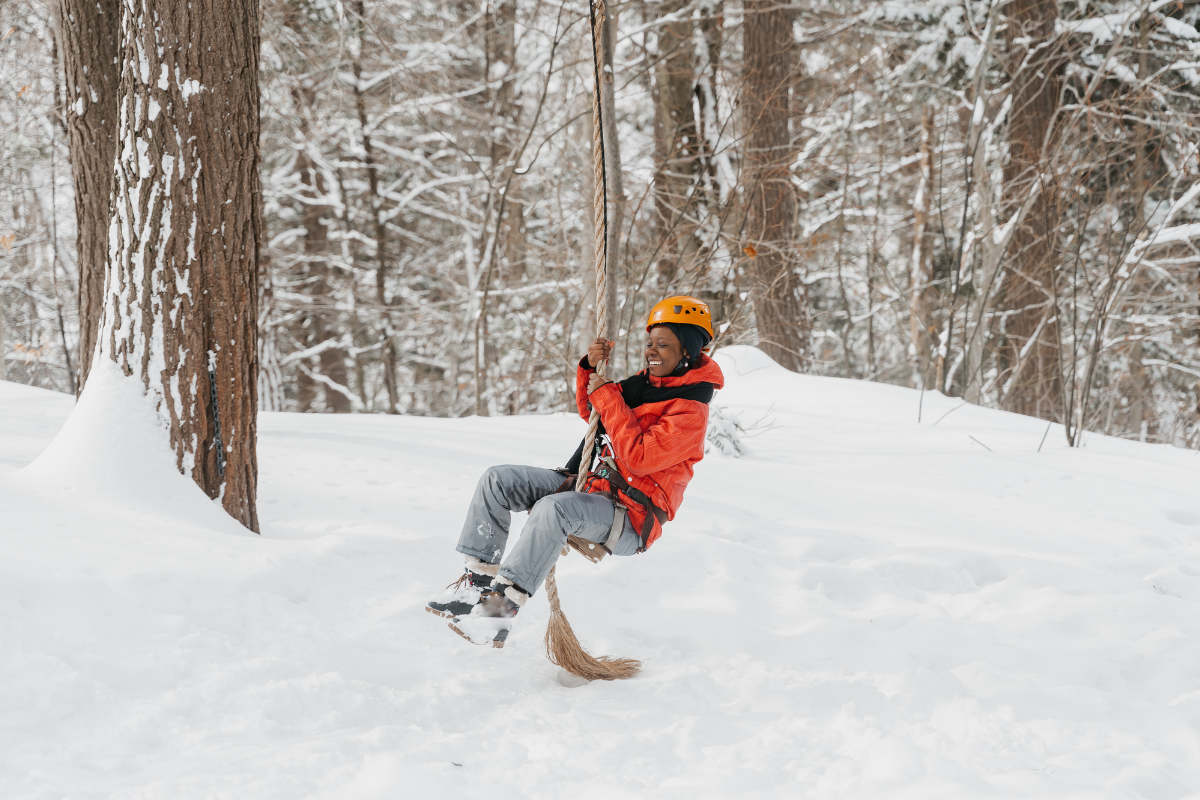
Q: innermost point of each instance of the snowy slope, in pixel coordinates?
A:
(863, 607)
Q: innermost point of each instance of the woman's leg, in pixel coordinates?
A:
(552, 519)
(502, 490)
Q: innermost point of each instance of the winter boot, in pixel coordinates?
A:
(492, 618)
(463, 595)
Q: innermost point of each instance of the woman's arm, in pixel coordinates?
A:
(582, 374)
(677, 436)
(597, 352)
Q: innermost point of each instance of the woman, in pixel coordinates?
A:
(654, 425)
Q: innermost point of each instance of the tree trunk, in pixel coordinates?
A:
(181, 290)
(780, 305)
(3, 345)
(501, 44)
(922, 330)
(1141, 419)
(270, 372)
(507, 245)
(88, 35)
(321, 324)
(387, 334)
(988, 258)
(1036, 64)
(677, 148)
(614, 178)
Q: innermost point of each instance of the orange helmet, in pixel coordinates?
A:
(687, 310)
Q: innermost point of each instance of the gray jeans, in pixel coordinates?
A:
(552, 517)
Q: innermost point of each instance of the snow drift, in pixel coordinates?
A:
(862, 606)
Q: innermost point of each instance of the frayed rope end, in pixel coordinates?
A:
(564, 650)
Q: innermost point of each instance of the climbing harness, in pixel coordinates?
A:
(618, 527)
(609, 472)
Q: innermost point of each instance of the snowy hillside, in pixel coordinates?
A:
(862, 607)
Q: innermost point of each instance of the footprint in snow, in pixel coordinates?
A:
(1182, 517)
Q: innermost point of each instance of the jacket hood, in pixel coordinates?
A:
(706, 371)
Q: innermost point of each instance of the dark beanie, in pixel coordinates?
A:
(692, 337)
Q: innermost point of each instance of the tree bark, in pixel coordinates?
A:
(3, 345)
(181, 290)
(508, 249)
(614, 177)
(322, 322)
(1036, 64)
(780, 305)
(270, 372)
(677, 147)
(500, 41)
(1140, 416)
(88, 35)
(922, 330)
(387, 335)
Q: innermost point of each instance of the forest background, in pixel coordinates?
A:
(996, 200)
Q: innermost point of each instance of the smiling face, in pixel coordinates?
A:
(663, 351)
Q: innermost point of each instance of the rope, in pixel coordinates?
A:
(562, 646)
(600, 214)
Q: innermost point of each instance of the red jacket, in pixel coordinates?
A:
(656, 445)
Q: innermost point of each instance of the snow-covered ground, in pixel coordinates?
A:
(864, 606)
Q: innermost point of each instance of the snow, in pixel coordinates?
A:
(861, 606)
(1179, 233)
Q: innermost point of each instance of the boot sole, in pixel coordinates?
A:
(441, 614)
(498, 642)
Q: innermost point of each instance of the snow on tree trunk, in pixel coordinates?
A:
(181, 291)
(90, 47)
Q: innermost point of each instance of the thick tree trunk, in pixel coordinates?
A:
(181, 291)
(677, 148)
(88, 35)
(1036, 64)
(780, 305)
